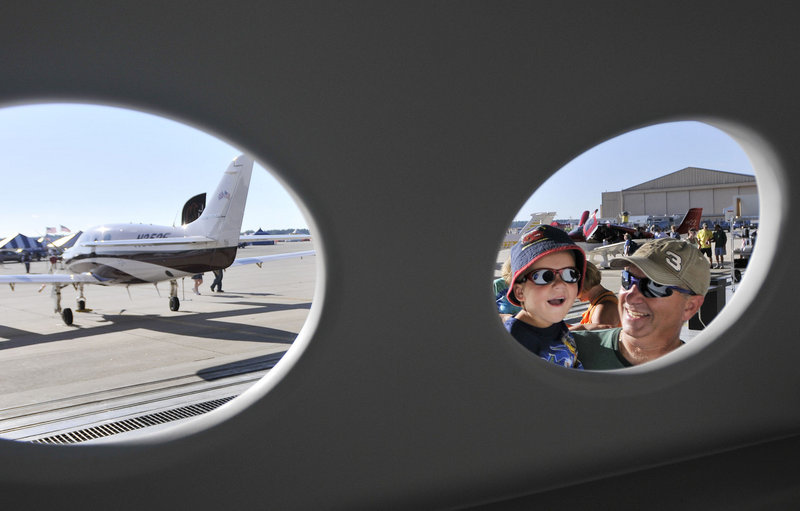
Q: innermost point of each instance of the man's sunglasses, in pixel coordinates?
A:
(649, 288)
(544, 276)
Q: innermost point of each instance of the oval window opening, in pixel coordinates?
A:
(645, 237)
(154, 272)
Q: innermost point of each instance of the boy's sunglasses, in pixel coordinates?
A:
(649, 288)
(544, 276)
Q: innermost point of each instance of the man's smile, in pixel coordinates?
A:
(635, 314)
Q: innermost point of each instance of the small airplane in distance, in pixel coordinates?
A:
(512, 236)
(125, 254)
(593, 230)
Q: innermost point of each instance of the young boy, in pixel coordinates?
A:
(547, 268)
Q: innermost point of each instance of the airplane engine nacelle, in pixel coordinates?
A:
(193, 208)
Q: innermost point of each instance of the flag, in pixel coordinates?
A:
(50, 230)
(63, 229)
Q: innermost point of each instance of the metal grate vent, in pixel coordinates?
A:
(143, 421)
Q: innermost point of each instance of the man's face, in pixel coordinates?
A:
(658, 319)
(547, 304)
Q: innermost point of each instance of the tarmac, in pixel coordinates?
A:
(128, 348)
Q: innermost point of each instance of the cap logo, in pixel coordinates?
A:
(532, 236)
(674, 260)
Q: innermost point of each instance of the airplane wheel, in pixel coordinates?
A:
(81, 305)
(66, 315)
(174, 303)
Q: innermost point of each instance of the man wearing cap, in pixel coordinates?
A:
(663, 286)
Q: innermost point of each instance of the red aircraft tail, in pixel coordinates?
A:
(691, 220)
(576, 234)
(589, 226)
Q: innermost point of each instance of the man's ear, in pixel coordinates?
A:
(691, 306)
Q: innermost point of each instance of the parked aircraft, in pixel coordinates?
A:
(125, 254)
(568, 224)
(594, 230)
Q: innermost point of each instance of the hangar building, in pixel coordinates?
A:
(675, 193)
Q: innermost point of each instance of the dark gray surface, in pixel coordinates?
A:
(390, 120)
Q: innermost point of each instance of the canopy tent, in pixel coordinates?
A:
(20, 241)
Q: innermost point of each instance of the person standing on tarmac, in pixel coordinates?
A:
(720, 240)
(704, 237)
(217, 280)
(198, 279)
(26, 258)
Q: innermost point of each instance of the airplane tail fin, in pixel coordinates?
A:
(222, 217)
(589, 226)
(577, 234)
(691, 220)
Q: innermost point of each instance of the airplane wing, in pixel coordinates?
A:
(272, 257)
(273, 237)
(50, 278)
(605, 251)
(88, 278)
(612, 249)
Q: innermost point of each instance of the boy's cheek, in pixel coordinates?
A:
(573, 292)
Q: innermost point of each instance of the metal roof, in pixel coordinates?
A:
(691, 177)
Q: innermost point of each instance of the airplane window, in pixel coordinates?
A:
(628, 197)
(180, 268)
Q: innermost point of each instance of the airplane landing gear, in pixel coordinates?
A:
(174, 303)
(81, 299)
(66, 313)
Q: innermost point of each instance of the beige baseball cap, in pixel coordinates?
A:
(671, 262)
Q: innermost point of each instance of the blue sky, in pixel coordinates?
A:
(81, 165)
(631, 159)
(84, 165)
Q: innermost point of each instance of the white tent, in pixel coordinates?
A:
(65, 242)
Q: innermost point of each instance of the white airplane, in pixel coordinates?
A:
(595, 252)
(125, 254)
(539, 218)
